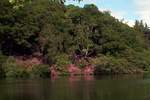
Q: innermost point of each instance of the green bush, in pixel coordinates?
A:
(139, 60)
(2, 60)
(62, 60)
(110, 65)
(13, 70)
(40, 71)
(101, 65)
(82, 63)
(119, 65)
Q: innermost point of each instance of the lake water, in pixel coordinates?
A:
(77, 88)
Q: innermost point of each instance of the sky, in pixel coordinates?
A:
(127, 10)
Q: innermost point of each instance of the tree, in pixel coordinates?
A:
(6, 22)
(21, 3)
(140, 26)
(53, 29)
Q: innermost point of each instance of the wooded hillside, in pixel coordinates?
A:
(64, 35)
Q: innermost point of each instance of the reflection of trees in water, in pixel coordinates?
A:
(76, 88)
(88, 89)
(25, 90)
(88, 77)
(81, 88)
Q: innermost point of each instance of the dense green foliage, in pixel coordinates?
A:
(12, 70)
(40, 71)
(69, 34)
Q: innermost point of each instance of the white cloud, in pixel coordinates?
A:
(143, 10)
(130, 22)
(117, 14)
(90, 1)
(120, 15)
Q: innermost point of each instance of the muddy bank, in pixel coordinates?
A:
(73, 70)
(88, 70)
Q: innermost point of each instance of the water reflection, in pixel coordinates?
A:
(77, 88)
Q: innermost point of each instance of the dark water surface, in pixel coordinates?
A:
(77, 88)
